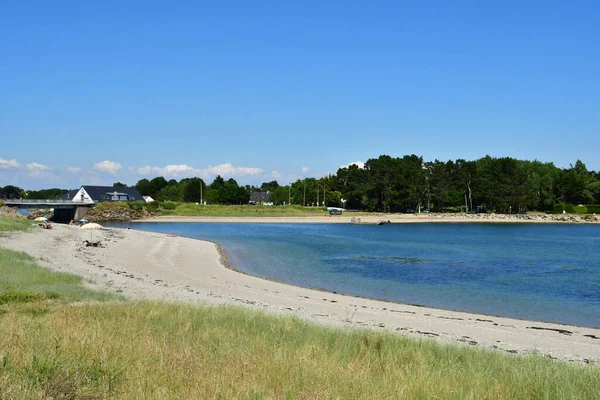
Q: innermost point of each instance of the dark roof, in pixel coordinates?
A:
(260, 196)
(100, 193)
(69, 195)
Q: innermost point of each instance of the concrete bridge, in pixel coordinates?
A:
(64, 210)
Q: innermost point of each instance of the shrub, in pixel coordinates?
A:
(575, 209)
(137, 205)
(167, 205)
(152, 206)
(2, 204)
(110, 205)
(593, 208)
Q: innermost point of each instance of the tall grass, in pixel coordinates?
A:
(23, 281)
(14, 224)
(154, 350)
(54, 344)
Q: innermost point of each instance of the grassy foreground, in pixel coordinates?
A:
(59, 340)
(14, 224)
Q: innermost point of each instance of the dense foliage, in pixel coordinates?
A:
(195, 190)
(401, 184)
(408, 184)
(494, 184)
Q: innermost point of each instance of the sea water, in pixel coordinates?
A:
(545, 272)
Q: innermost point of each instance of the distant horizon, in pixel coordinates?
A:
(96, 93)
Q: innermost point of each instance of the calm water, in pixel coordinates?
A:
(542, 272)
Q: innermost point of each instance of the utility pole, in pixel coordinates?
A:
(318, 188)
(324, 201)
(290, 195)
(201, 202)
(304, 198)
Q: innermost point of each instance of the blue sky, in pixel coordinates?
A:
(92, 93)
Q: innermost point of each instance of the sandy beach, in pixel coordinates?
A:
(348, 218)
(144, 265)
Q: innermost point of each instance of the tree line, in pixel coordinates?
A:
(395, 184)
(409, 184)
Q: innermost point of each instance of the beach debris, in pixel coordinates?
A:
(562, 331)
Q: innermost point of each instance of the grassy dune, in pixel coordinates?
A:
(14, 224)
(153, 350)
(59, 340)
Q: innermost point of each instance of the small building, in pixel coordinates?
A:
(92, 194)
(257, 197)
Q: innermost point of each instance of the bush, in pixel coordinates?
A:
(593, 208)
(573, 209)
(137, 205)
(152, 206)
(110, 205)
(2, 204)
(167, 205)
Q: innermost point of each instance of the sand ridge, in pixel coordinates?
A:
(147, 265)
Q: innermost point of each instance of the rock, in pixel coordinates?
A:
(118, 214)
(10, 212)
(33, 214)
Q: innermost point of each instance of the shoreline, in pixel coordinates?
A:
(392, 218)
(148, 265)
(224, 259)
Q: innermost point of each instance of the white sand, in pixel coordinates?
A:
(393, 218)
(157, 266)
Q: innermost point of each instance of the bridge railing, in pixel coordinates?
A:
(41, 201)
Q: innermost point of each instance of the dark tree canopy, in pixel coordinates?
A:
(395, 184)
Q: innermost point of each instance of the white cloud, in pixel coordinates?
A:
(37, 170)
(184, 170)
(305, 169)
(12, 163)
(73, 170)
(230, 170)
(177, 170)
(359, 164)
(107, 166)
(168, 170)
(273, 174)
(142, 170)
(37, 167)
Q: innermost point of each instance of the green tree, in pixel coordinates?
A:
(143, 186)
(269, 186)
(193, 189)
(12, 192)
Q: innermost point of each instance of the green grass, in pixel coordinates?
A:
(192, 209)
(15, 224)
(23, 281)
(141, 350)
(199, 210)
(58, 342)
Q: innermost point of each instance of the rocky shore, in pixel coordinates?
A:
(9, 212)
(117, 215)
(572, 218)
